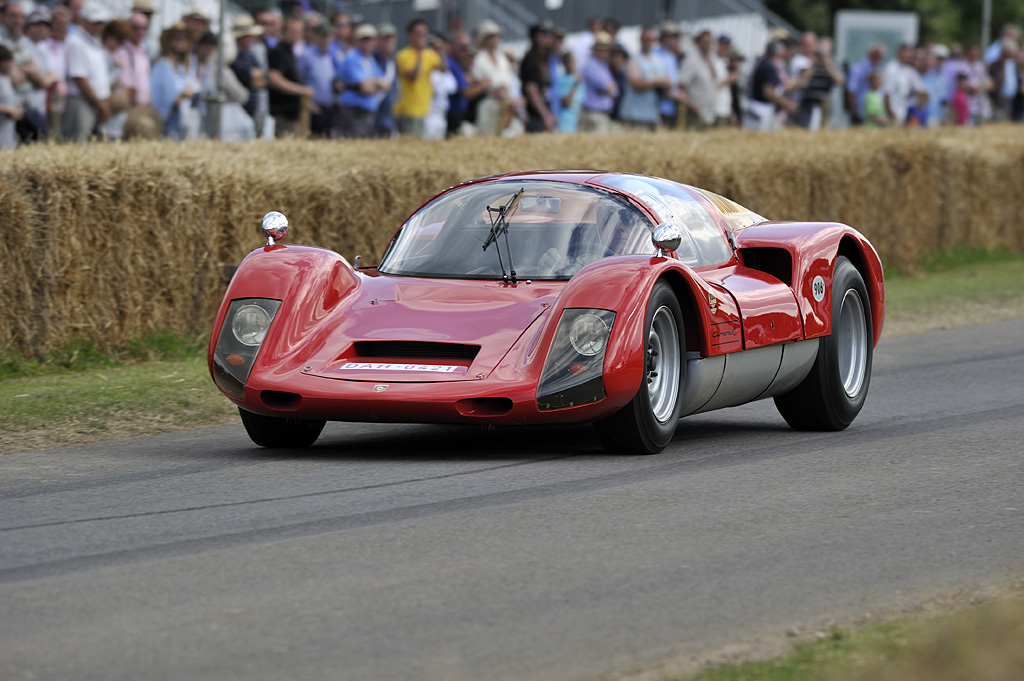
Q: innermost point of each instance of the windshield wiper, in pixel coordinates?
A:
(499, 225)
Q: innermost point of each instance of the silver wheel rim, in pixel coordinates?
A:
(662, 364)
(852, 341)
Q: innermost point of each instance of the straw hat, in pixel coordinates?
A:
(366, 31)
(668, 28)
(197, 12)
(244, 26)
(603, 39)
(486, 28)
(144, 7)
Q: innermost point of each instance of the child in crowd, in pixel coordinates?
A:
(874, 104)
(959, 106)
(917, 114)
(10, 112)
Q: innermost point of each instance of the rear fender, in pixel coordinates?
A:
(813, 248)
(310, 282)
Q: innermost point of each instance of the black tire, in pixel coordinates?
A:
(646, 425)
(833, 393)
(277, 433)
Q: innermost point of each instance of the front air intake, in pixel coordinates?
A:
(415, 350)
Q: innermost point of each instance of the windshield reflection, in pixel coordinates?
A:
(556, 229)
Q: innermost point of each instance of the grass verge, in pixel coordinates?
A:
(108, 402)
(980, 644)
(160, 383)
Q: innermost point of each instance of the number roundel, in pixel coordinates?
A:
(818, 288)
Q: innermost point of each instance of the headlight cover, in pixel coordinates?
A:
(250, 325)
(588, 334)
(241, 336)
(574, 366)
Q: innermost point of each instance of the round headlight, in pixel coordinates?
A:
(250, 324)
(588, 335)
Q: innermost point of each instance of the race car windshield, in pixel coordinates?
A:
(556, 229)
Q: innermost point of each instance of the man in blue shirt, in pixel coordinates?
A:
(362, 80)
(317, 69)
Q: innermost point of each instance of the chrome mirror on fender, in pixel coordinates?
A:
(275, 227)
(667, 237)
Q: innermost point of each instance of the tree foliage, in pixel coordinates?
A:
(942, 21)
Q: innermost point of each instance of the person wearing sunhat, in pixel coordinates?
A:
(88, 75)
(197, 22)
(600, 87)
(38, 27)
(248, 69)
(27, 76)
(491, 66)
(362, 80)
(175, 83)
(147, 7)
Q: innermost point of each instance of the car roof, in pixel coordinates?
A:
(735, 215)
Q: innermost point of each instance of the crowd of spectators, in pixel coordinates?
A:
(73, 72)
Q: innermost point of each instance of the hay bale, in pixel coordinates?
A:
(123, 240)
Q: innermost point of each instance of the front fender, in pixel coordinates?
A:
(624, 284)
(310, 282)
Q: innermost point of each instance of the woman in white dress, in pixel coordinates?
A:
(492, 66)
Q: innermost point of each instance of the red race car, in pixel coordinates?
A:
(555, 297)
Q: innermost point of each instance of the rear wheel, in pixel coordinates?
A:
(833, 393)
(278, 433)
(647, 423)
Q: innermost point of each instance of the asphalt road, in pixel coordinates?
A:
(441, 553)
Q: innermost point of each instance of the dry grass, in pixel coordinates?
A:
(117, 241)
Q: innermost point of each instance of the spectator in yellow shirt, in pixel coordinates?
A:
(414, 64)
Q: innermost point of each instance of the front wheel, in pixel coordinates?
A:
(646, 425)
(278, 433)
(833, 393)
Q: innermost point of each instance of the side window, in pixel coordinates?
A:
(708, 245)
(687, 251)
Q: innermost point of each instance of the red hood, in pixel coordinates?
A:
(467, 313)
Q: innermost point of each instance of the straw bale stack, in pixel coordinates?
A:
(116, 241)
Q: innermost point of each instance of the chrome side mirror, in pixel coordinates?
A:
(667, 237)
(275, 227)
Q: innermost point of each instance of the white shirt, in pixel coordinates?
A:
(723, 99)
(900, 82)
(87, 59)
(499, 70)
(700, 79)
